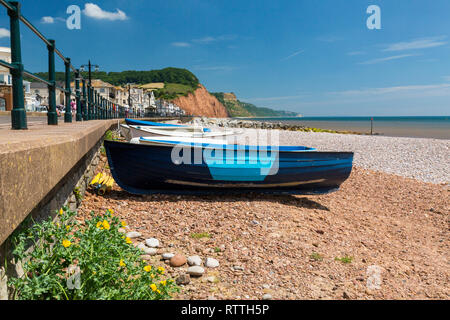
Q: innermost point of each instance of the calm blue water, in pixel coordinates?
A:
(424, 127)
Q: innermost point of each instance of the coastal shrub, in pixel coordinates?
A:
(91, 260)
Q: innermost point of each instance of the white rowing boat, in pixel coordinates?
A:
(130, 132)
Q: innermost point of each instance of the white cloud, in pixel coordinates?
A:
(180, 44)
(4, 33)
(417, 90)
(94, 11)
(50, 20)
(417, 44)
(293, 55)
(47, 19)
(387, 59)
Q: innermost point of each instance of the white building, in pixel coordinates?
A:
(5, 76)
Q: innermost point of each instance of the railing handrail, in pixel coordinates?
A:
(89, 103)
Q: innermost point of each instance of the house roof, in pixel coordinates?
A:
(97, 83)
(152, 85)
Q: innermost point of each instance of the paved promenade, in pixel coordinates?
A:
(33, 162)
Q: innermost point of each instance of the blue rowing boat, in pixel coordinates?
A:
(134, 122)
(198, 168)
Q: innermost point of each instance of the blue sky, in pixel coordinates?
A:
(316, 57)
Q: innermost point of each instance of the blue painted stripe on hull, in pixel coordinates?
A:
(143, 169)
(134, 122)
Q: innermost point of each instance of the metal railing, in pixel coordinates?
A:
(90, 104)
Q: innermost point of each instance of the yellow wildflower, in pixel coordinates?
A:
(67, 227)
(158, 291)
(121, 263)
(147, 268)
(61, 211)
(105, 224)
(161, 269)
(152, 275)
(128, 240)
(123, 223)
(111, 211)
(163, 282)
(153, 287)
(99, 225)
(66, 243)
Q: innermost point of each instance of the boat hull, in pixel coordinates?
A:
(130, 132)
(144, 169)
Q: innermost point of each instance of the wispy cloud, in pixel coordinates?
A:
(94, 11)
(433, 89)
(446, 78)
(181, 44)
(417, 44)
(51, 20)
(4, 33)
(379, 60)
(47, 20)
(293, 55)
(209, 39)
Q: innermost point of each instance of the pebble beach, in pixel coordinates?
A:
(383, 235)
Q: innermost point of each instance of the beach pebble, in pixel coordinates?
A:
(152, 242)
(167, 256)
(194, 261)
(212, 279)
(211, 263)
(238, 268)
(267, 296)
(196, 271)
(150, 251)
(133, 234)
(183, 279)
(177, 260)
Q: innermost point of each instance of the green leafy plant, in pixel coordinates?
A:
(77, 193)
(200, 235)
(344, 259)
(77, 261)
(316, 256)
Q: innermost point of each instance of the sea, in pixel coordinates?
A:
(437, 127)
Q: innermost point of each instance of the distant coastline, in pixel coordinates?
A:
(437, 127)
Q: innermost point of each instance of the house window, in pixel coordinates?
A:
(2, 104)
(102, 90)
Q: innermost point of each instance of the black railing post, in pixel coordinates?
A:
(52, 116)
(95, 105)
(68, 113)
(18, 113)
(84, 102)
(79, 116)
(89, 102)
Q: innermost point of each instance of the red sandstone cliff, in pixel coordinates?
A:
(202, 103)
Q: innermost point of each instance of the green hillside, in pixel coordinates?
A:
(166, 75)
(238, 108)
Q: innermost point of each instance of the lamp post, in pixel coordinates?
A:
(91, 105)
(89, 65)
